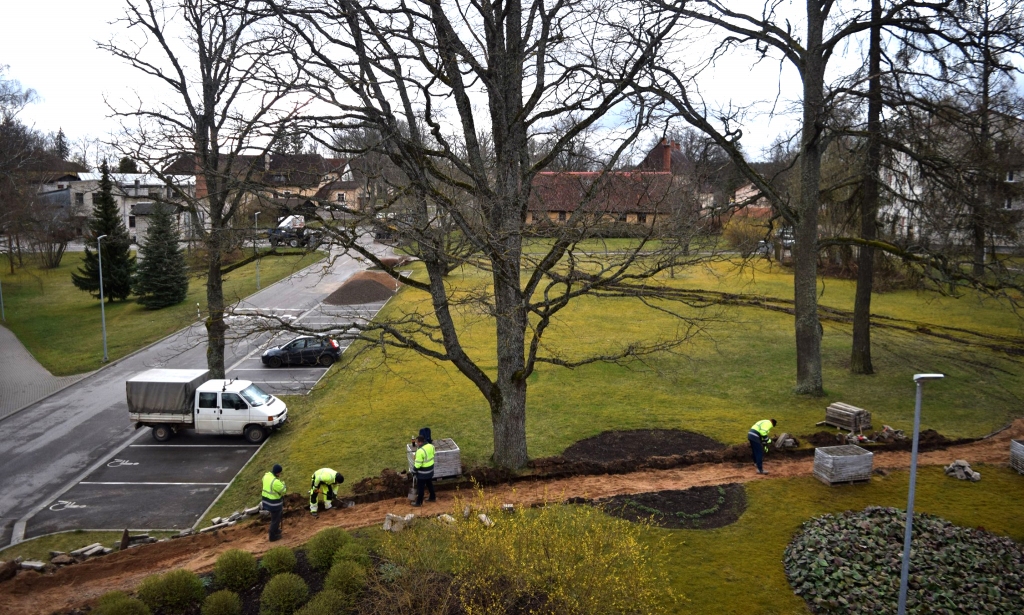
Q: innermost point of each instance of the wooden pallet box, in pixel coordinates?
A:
(845, 416)
(842, 464)
(1017, 455)
(447, 462)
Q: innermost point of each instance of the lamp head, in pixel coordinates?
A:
(923, 377)
(100, 237)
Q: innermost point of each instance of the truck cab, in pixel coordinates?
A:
(237, 407)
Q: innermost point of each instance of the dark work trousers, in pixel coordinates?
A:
(275, 508)
(757, 448)
(314, 491)
(424, 480)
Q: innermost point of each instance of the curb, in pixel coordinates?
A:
(139, 350)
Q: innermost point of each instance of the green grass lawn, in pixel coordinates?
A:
(739, 369)
(739, 568)
(60, 325)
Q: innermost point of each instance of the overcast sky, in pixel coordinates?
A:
(50, 47)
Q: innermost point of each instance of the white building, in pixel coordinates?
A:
(136, 195)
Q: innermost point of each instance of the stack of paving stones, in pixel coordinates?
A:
(219, 523)
(962, 470)
(842, 464)
(1017, 455)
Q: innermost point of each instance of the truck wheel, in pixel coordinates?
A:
(255, 433)
(274, 362)
(293, 243)
(326, 360)
(162, 433)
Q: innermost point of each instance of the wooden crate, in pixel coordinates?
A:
(447, 461)
(842, 464)
(845, 416)
(1017, 455)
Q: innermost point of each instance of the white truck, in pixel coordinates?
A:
(169, 400)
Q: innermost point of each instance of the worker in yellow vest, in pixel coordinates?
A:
(321, 488)
(423, 465)
(759, 441)
(273, 492)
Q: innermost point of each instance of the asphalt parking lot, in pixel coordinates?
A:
(148, 486)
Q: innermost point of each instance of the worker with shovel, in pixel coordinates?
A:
(273, 492)
(759, 441)
(423, 465)
(321, 488)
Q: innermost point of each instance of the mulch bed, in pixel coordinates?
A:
(697, 508)
(364, 287)
(639, 444)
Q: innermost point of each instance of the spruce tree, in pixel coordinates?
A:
(162, 277)
(118, 262)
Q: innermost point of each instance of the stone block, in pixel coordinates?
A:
(485, 520)
(32, 564)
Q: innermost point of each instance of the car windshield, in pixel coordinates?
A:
(255, 396)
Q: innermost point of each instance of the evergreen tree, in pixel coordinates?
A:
(162, 277)
(118, 262)
(60, 145)
(127, 165)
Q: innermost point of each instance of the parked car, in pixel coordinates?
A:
(303, 350)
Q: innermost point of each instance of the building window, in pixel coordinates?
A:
(79, 198)
(561, 216)
(341, 197)
(287, 193)
(1009, 176)
(131, 221)
(641, 218)
(1008, 204)
(622, 217)
(154, 194)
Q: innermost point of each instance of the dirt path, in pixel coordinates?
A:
(34, 594)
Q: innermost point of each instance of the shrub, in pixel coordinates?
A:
(321, 548)
(571, 560)
(954, 569)
(283, 595)
(223, 602)
(119, 603)
(354, 552)
(173, 592)
(743, 233)
(346, 577)
(278, 560)
(236, 570)
(327, 602)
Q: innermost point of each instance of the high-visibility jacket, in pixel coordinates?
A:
(324, 476)
(762, 428)
(424, 458)
(273, 487)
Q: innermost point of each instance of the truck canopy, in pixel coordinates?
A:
(168, 391)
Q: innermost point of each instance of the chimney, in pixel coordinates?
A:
(666, 156)
(266, 161)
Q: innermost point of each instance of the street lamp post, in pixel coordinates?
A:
(103, 312)
(905, 573)
(255, 232)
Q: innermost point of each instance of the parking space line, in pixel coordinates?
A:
(98, 483)
(276, 369)
(194, 446)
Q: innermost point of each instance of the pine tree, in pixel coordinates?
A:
(118, 262)
(127, 165)
(162, 277)
(60, 145)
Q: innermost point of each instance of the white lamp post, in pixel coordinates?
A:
(255, 232)
(103, 312)
(905, 573)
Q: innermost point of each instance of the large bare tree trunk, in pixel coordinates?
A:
(860, 356)
(805, 246)
(215, 327)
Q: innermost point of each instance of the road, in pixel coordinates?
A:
(56, 442)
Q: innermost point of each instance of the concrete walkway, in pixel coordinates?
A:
(23, 380)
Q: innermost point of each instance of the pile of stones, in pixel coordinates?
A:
(962, 470)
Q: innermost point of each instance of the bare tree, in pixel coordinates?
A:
(472, 103)
(827, 27)
(212, 112)
(20, 147)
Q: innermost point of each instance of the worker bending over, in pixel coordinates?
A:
(759, 441)
(321, 488)
(424, 467)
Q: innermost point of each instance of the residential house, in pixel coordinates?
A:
(136, 195)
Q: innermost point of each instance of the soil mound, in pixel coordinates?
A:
(364, 287)
(697, 508)
(927, 439)
(639, 444)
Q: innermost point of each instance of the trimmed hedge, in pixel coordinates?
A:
(327, 602)
(278, 560)
(346, 577)
(236, 570)
(119, 603)
(851, 563)
(353, 552)
(321, 548)
(173, 593)
(283, 594)
(223, 602)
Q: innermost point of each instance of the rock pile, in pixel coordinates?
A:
(962, 470)
(397, 523)
(786, 441)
